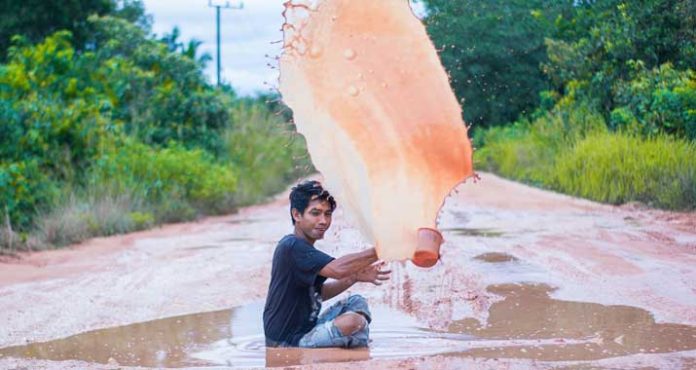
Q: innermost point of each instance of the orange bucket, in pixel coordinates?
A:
(428, 248)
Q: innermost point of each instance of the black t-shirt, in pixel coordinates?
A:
(294, 295)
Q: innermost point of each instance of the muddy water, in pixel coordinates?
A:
(635, 266)
(527, 323)
(354, 73)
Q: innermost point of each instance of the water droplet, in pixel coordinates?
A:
(353, 91)
(315, 51)
(349, 54)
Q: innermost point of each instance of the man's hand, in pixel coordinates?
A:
(373, 274)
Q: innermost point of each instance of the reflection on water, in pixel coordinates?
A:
(603, 331)
(527, 323)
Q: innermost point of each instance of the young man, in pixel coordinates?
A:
(299, 281)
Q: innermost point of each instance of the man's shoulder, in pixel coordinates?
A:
(288, 241)
(286, 244)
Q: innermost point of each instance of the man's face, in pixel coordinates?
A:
(315, 220)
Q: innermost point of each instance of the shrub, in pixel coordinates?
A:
(570, 150)
(179, 183)
(265, 151)
(618, 167)
(526, 151)
(659, 100)
(82, 215)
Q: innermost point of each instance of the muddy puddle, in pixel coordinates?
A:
(527, 323)
(496, 257)
(480, 232)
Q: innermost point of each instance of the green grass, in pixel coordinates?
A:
(572, 152)
(618, 168)
(132, 186)
(266, 152)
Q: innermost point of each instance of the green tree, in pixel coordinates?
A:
(595, 47)
(190, 50)
(36, 19)
(492, 51)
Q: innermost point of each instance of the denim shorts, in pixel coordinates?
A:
(326, 334)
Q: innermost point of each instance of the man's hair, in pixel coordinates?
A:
(305, 192)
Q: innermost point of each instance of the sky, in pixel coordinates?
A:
(246, 41)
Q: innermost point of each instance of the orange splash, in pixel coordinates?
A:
(382, 125)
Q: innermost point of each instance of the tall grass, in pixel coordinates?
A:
(571, 151)
(618, 168)
(132, 186)
(266, 151)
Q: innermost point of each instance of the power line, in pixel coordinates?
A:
(217, 14)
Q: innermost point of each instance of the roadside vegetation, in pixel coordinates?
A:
(590, 98)
(106, 129)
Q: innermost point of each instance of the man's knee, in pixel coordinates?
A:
(350, 323)
(358, 304)
(357, 299)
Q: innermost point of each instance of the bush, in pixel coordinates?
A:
(176, 182)
(658, 100)
(618, 168)
(571, 151)
(80, 216)
(23, 188)
(265, 150)
(526, 150)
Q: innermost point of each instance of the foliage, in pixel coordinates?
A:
(615, 124)
(36, 19)
(125, 135)
(22, 187)
(661, 100)
(492, 51)
(180, 183)
(618, 168)
(266, 149)
(597, 46)
(190, 49)
(592, 162)
(527, 150)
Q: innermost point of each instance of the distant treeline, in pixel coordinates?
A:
(594, 98)
(105, 128)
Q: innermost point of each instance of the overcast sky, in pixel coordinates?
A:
(246, 37)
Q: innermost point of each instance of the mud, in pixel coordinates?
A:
(569, 284)
(526, 324)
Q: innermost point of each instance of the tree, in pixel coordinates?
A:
(597, 45)
(36, 19)
(190, 50)
(492, 51)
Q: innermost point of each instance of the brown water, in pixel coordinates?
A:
(495, 257)
(382, 125)
(527, 323)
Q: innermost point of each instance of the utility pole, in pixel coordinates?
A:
(217, 14)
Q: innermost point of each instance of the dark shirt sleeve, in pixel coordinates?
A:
(308, 262)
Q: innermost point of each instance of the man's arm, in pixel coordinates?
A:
(333, 288)
(370, 274)
(346, 266)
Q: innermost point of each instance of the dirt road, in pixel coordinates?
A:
(528, 279)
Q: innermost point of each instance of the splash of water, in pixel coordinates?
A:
(374, 103)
